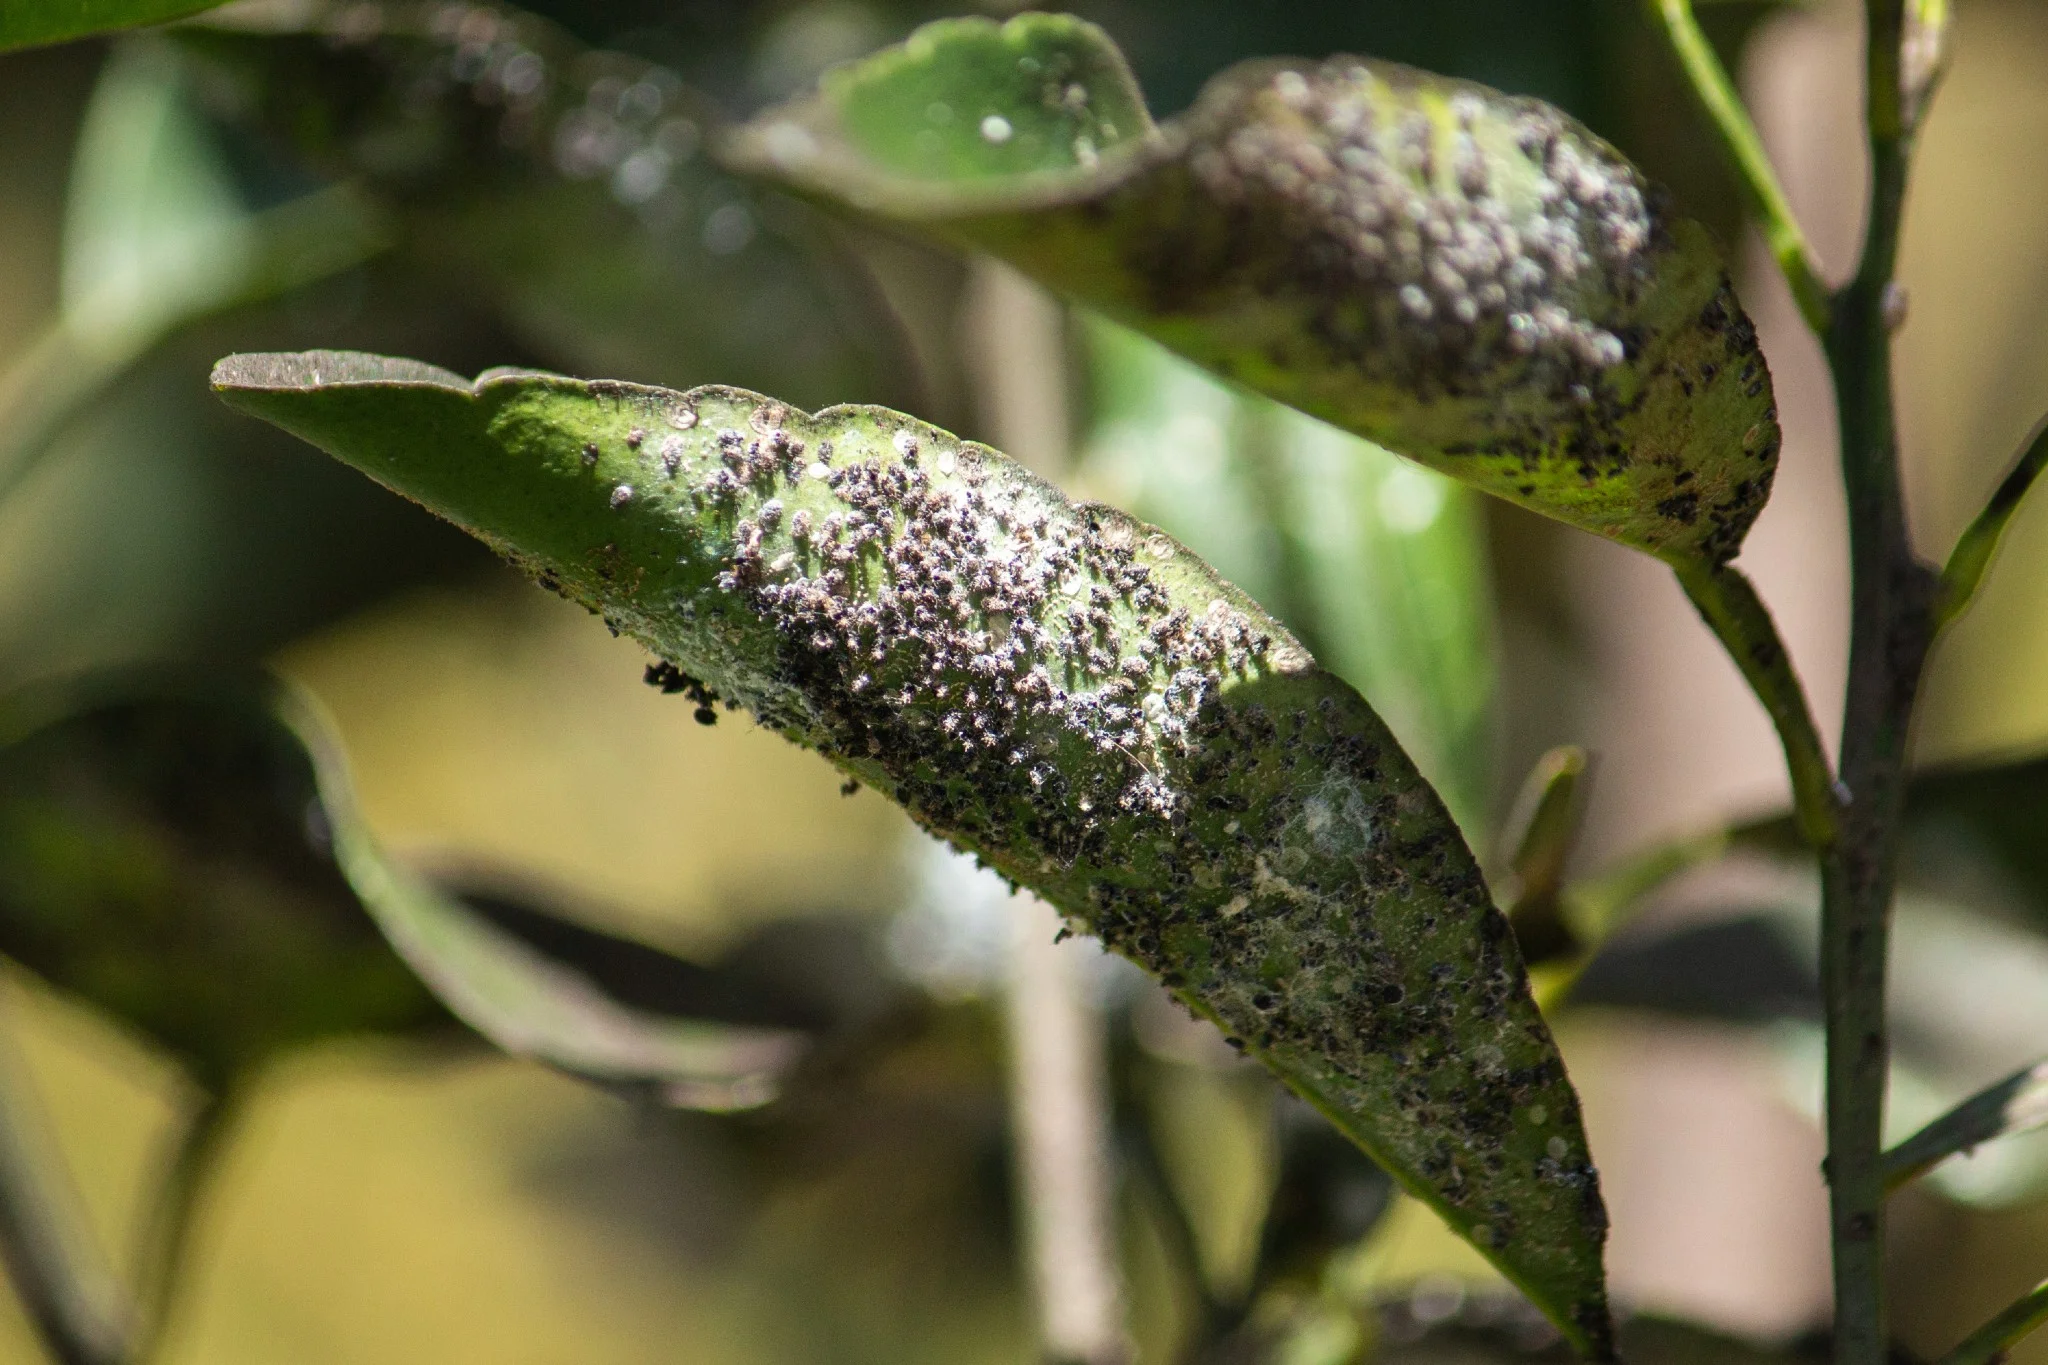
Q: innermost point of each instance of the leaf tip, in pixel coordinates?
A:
(271, 371)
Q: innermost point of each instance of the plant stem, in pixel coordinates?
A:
(1717, 95)
(1728, 603)
(1892, 616)
(1059, 1088)
(1988, 1344)
(1977, 546)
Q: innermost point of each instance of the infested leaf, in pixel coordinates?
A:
(1468, 278)
(1061, 690)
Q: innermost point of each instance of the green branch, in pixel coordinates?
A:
(1718, 97)
(1978, 545)
(1988, 1344)
(1742, 623)
(1892, 603)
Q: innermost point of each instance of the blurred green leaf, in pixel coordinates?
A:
(1471, 279)
(567, 187)
(516, 997)
(156, 235)
(32, 23)
(1379, 566)
(191, 861)
(156, 861)
(1992, 1343)
(1174, 773)
(1543, 829)
(1972, 824)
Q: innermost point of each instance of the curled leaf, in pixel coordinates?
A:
(1468, 278)
(567, 188)
(189, 858)
(516, 996)
(1065, 692)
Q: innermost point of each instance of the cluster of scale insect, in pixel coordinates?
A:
(1472, 270)
(950, 617)
(944, 609)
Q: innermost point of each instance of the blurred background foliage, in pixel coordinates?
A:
(478, 188)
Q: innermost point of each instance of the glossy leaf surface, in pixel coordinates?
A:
(1468, 278)
(1063, 691)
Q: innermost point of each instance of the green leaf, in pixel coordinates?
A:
(1546, 822)
(2017, 1104)
(1983, 818)
(1468, 278)
(191, 861)
(1992, 1343)
(1057, 688)
(33, 23)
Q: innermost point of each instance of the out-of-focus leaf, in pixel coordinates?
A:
(1471, 279)
(1437, 1324)
(1992, 1343)
(190, 860)
(1380, 566)
(2017, 1104)
(1923, 55)
(32, 23)
(1059, 689)
(1968, 1002)
(1327, 1197)
(156, 235)
(1544, 828)
(566, 186)
(156, 860)
(526, 1003)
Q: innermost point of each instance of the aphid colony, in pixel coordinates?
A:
(1470, 254)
